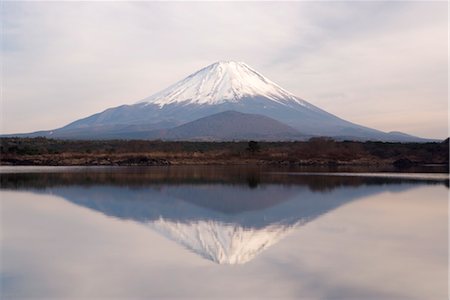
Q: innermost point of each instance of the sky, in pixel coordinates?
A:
(379, 64)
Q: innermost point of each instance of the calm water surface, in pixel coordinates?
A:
(222, 233)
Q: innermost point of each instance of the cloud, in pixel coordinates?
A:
(66, 60)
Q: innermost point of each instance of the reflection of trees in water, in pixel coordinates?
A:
(253, 180)
(252, 177)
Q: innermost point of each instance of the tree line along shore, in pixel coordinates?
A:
(316, 151)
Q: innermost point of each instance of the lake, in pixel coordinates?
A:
(222, 233)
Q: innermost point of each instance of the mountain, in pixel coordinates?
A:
(232, 125)
(220, 87)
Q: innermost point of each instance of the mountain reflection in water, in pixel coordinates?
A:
(226, 215)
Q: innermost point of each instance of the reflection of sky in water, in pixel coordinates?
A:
(362, 242)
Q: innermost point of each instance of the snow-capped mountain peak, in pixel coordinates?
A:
(223, 81)
(218, 88)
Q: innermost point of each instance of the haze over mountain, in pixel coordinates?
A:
(220, 87)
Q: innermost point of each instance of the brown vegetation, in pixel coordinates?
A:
(316, 151)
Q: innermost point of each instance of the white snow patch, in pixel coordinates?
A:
(224, 81)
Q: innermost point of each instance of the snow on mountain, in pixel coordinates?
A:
(224, 81)
(220, 242)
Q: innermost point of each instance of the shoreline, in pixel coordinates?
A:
(313, 153)
(157, 162)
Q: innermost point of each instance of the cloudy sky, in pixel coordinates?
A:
(379, 64)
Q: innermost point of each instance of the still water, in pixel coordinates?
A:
(222, 233)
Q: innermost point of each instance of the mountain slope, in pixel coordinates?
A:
(232, 125)
(219, 87)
